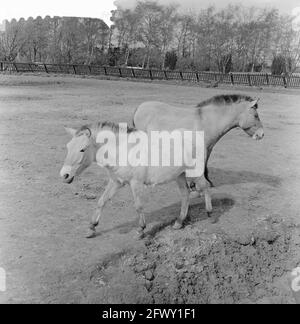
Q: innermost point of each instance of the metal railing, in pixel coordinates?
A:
(247, 79)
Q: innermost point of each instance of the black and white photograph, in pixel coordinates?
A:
(150, 154)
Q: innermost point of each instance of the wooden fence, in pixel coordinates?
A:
(247, 79)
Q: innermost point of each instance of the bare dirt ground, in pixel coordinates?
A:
(245, 258)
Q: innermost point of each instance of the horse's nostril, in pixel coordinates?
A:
(66, 176)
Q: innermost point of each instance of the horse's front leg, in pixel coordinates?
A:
(137, 191)
(195, 192)
(185, 201)
(108, 194)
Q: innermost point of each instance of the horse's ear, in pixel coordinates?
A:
(86, 132)
(70, 131)
(254, 103)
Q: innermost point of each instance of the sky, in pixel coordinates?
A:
(101, 8)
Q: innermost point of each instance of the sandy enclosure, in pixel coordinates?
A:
(246, 257)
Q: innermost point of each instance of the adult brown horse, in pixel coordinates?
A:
(215, 116)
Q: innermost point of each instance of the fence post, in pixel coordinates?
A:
(105, 70)
(231, 78)
(133, 74)
(74, 68)
(249, 79)
(1, 67)
(151, 75)
(197, 76)
(120, 71)
(267, 78)
(16, 67)
(284, 81)
(90, 69)
(181, 75)
(166, 76)
(45, 67)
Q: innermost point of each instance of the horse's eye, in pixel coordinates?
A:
(82, 151)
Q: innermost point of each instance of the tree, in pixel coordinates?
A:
(279, 65)
(170, 60)
(55, 40)
(95, 35)
(11, 41)
(223, 42)
(148, 31)
(113, 56)
(166, 29)
(255, 37)
(205, 29)
(185, 33)
(125, 29)
(70, 41)
(288, 41)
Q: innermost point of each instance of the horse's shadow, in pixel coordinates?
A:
(162, 218)
(222, 177)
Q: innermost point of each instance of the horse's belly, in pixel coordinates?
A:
(161, 175)
(128, 173)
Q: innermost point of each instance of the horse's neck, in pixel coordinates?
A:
(219, 121)
(96, 146)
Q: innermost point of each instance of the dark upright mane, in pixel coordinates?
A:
(224, 100)
(112, 126)
(115, 127)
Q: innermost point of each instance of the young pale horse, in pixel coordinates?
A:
(215, 116)
(84, 149)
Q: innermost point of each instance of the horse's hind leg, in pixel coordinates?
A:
(203, 185)
(206, 173)
(108, 194)
(185, 196)
(137, 190)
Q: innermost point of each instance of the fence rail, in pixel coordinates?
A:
(247, 79)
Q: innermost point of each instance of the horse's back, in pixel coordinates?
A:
(154, 115)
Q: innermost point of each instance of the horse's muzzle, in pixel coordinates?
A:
(259, 134)
(67, 179)
(66, 174)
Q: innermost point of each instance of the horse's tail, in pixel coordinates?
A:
(133, 122)
(207, 177)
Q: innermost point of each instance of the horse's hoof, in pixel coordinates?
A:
(91, 234)
(195, 194)
(213, 220)
(140, 235)
(177, 226)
